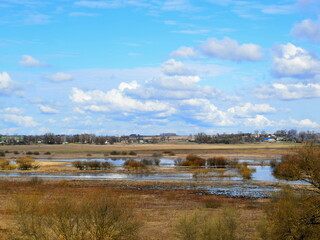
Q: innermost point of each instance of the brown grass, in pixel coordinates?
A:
(158, 210)
(180, 149)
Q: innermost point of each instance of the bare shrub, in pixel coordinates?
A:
(132, 153)
(291, 215)
(26, 163)
(217, 162)
(79, 164)
(69, 218)
(245, 171)
(202, 226)
(193, 161)
(134, 164)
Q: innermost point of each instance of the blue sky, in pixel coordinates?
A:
(113, 67)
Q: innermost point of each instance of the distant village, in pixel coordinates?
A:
(200, 138)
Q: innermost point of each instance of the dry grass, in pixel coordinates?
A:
(180, 149)
(157, 210)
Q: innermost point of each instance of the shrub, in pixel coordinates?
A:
(147, 161)
(245, 171)
(36, 153)
(69, 218)
(26, 163)
(2, 154)
(16, 152)
(217, 161)
(93, 165)
(202, 226)
(79, 164)
(115, 153)
(193, 161)
(124, 153)
(106, 165)
(29, 153)
(132, 153)
(156, 155)
(6, 165)
(213, 203)
(47, 153)
(134, 164)
(291, 215)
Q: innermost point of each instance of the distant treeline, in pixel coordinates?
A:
(51, 138)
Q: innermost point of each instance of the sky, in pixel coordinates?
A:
(118, 67)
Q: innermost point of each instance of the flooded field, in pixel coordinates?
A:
(222, 181)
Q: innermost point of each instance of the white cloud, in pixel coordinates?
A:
(203, 110)
(305, 123)
(247, 109)
(47, 109)
(289, 91)
(292, 61)
(185, 52)
(278, 9)
(173, 67)
(60, 77)
(29, 61)
(24, 121)
(198, 31)
(82, 14)
(98, 4)
(230, 49)
(79, 96)
(307, 29)
(132, 85)
(96, 108)
(259, 121)
(117, 100)
(177, 5)
(13, 110)
(7, 85)
(175, 82)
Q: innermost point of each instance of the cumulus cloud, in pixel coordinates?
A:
(289, 91)
(175, 82)
(203, 110)
(117, 100)
(292, 61)
(230, 49)
(305, 123)
(29, 61)
(23, 121)
(13, 110)
(47, 109)
(60, 77)
(96, 108)
(259, 121)
(307, 29)
(7, 85)
(185, 52)
(247, 109)
(173, 67)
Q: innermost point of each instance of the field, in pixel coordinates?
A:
(180, 149)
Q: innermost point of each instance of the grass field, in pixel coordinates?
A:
(179, 149)
(156, 210)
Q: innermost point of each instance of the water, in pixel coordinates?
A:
(238, 187)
